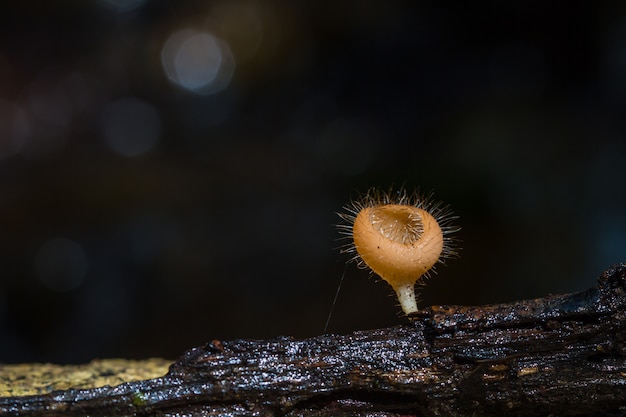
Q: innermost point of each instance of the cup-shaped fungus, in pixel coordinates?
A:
(400, 237)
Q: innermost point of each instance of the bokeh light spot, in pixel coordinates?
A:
(61, 264)
(131, 127)
(197, 61)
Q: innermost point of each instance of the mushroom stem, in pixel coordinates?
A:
(406, 296)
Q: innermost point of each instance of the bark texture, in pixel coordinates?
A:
(562, 355)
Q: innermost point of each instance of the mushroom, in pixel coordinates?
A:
(400, 237)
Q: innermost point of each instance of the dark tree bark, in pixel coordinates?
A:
(560, 355)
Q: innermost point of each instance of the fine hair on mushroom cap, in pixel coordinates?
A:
(400, 236)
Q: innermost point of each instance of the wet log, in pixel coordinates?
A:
(561, 355)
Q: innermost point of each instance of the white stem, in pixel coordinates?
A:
(406, 296)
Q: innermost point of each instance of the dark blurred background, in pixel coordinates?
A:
(170, 171)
